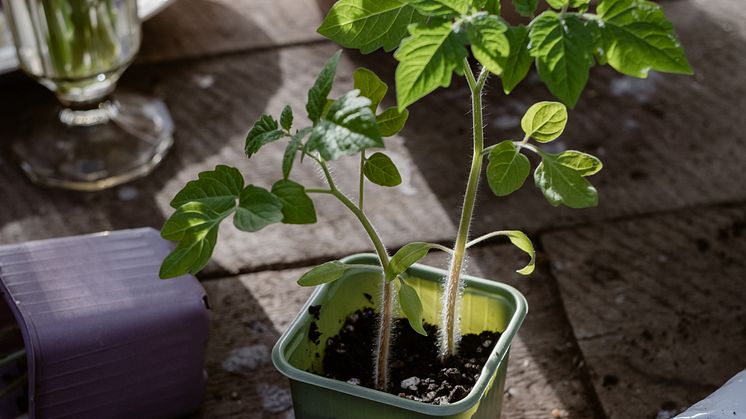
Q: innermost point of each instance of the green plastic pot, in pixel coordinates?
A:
(487, 305)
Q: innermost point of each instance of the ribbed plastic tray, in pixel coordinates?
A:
(104, 336)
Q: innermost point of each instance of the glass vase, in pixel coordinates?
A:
(79, 49)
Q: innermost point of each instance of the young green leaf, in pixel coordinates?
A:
(286, 118)
(638, 38)
(297, 207)
(324, 273)
(391, 121)
(507, 169)
(427, 60)
(545, 121)
(370, 86)
(440, 8)
(517, 63)
(581, 5)
(190, 256)
(317, 95)
(562, 184)
(599, 43)
(584, 164)
(349, 127)
(563, 48)
(406, 257)
(264, 131)
(194, 218)
(525, 7)
(411, 306)
(521, 241)
(490, 6)
(195, 226)
(257, 208)
(558, 4)
(291, 150)
(368, 25)
(380, 170)
(224, 182)
(489, 44)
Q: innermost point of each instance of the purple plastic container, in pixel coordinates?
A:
(104, 336)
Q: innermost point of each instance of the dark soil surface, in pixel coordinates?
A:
(416, 372)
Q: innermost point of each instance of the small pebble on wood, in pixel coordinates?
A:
(274, 398)
(246, 359)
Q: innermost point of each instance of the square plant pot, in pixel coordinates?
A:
(103, 336)
(487, 305)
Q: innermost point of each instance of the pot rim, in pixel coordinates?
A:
(497, 356)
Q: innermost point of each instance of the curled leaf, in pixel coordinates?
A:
(521, 241)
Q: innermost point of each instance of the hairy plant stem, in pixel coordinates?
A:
(387, 291)
(361, 181)
(449, 324)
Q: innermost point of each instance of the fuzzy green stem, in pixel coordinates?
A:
(441, 248)
(484, 237)
(387, 291)
(449, 324)
(387, 296)
(361, 186)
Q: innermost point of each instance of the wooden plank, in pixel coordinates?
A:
(249, 313)
(196, 28)
(545, 373)
(657, 305)
(214, 103)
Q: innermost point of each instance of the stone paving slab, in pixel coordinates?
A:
(657, 305)
(198, 28)
(546, 374)
(214, 103)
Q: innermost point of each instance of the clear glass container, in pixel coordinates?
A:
(78, 49)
